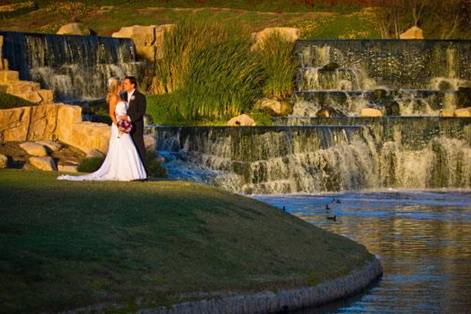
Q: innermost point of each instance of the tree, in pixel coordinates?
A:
(391, 17)
(442, 18)
(450, 17)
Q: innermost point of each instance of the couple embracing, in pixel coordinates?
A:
(126, 151)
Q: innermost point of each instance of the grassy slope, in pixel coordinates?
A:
(8, 101)
(70, 244)
(338, 22)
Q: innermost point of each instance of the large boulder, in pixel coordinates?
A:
(141, 35)
(51, 145)
(323, 113)
(149, 43)
(370, 113)
(67, 167)
(149, 142)
(87, 136)
(274, 107)
(412, 33)
(47, 96)
(290, 34)
(14, 124)
(28, 90)
(34, 149)
(242, 120)
(7, 76)
(28, 123)
(3, 161)
(447, 112)
(73, 29)
(148, 39)
(43, 163)
(53, 122)
(463, 112)
(43, 122)
(143, 38)
(67, 115)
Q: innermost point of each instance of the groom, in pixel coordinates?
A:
(136, 111)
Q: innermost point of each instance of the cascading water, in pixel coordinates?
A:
(382, 153)
(309, 154)
(406, 78)
(76, 68)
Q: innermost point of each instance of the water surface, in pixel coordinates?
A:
(423, 239)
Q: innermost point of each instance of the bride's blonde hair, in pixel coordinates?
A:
(113, 85)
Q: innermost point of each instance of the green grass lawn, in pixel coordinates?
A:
(143, 244)
(314, 21)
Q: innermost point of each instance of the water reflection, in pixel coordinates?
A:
(423, 239)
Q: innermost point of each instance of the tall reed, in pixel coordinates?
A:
(279, 64)
(212, 72)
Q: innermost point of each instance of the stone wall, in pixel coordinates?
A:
(53, 122)
(282, 300)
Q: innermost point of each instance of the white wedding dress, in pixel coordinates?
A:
(122, 162)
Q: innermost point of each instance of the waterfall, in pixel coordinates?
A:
(312, 159)
(75, 67)
(311, 153)
(417, 78)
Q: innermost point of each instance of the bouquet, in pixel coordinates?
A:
(124, 124)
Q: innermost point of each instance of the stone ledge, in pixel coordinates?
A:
(53, 122)
(9, 76)
(291, 299)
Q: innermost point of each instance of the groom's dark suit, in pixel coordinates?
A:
(136, 111)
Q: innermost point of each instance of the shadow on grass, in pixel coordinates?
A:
(144, 244)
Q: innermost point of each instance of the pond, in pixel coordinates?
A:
(423, 239)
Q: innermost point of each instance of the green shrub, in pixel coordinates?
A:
(8, 101)
(90, 164)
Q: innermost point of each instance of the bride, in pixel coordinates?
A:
(122, 162)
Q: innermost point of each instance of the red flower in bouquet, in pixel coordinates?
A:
(124, 126)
